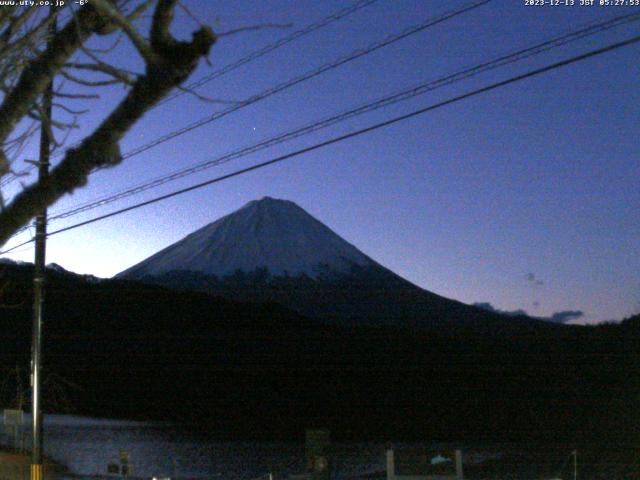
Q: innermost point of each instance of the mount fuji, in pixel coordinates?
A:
(362, 348)
(272, 250)
(271, 234)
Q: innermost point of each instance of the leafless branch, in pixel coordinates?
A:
(37, 75)
(77, 96)
(204, 98)
(14, 25)
(186, 10)
(168, 63)
(106, 8)
(139, 10)
(69, 110)
(32, 36)
(102, 67)
(107, 49)
(88, 83)
(74, 125)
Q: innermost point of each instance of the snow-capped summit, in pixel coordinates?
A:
(266, 233)
(311, 270)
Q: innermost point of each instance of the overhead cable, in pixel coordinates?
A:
(405, 94)
(353, 134)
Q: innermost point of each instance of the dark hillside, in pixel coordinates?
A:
(362, 295)
(260, 370)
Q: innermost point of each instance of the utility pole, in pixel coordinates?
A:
(39, 278)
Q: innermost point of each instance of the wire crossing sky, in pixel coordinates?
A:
(522, 197)
(348, 136)
(389, 100)
(248, 58)
(430, 22)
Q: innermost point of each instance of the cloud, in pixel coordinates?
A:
(484, 306)
(490, 308)
(563, 316)
(532, 279)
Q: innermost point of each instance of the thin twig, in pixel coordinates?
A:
(143, 47)
(90, 83)
(204, 98)
(76, 96)
(189, 14)
(102, 67)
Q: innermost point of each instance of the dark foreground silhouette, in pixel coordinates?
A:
(250, 370)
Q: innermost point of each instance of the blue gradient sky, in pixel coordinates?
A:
(539, 177)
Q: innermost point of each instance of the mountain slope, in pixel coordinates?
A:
(246, 370)
(273, 250)
(267, 233)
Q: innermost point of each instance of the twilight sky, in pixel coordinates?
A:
(525, 197)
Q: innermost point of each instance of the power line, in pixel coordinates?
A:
(432, 21)
(311, 74)
(307, 76)
(334, 17)
(353, 134)
(422, 88)
(270, 48)
(26, 249)
(380, 103)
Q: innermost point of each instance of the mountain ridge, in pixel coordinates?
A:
(273, 250)
(241, 369)
(272, 233)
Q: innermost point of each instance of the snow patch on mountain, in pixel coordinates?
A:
(266, 233)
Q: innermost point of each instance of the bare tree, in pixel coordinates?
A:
(32, 55)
